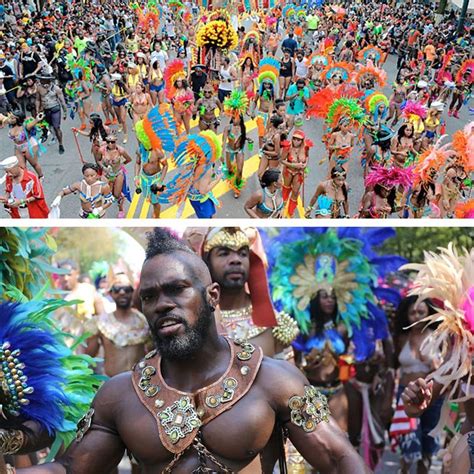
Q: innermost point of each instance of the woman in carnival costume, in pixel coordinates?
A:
(463, 88)
(268, 70)
(376, 106)
(414, 112)
(95, 194)
(330, 199)
(294, 159)
(324, 279)
(342, 115)
(267, 203)
(179, 93)
(447, 277)
(233, 140)
(402, 146)
(23, 134)
(381, 184)
(119, 98)
(46, 389)
(80, 88)
(97, 135)
(422, 198)
(156, 135)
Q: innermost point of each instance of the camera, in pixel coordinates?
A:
(155, 189)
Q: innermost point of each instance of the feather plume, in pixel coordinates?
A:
(390, 177)
(448, 276)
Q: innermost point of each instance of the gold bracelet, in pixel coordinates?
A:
(11, 441)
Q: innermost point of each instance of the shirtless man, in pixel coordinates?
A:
(206, 107)
(150, 172)
(113, 159)
(235, 259)
(122, 333)
(172, 412)
(200, 193)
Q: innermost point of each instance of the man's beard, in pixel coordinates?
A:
(183, 346)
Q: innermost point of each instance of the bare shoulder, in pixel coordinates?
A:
(114, 394)
(280, 380)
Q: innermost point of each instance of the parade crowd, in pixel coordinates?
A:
(187, 84)
(322, 307)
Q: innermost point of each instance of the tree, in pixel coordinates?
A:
(411, 242)
(88, 245)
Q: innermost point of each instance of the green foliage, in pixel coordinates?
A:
(86, 246)
(411, 242)
(25, 256)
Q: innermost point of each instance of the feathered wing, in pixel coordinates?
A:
(448, 276)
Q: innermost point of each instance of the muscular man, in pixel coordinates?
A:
(236, 261)
(122, 333)
(184, 409)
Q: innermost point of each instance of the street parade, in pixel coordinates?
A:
(237, 109)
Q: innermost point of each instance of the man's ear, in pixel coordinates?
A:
(214, 293)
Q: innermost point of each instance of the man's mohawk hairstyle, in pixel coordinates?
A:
(163, 241)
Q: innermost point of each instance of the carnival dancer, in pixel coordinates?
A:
(123, 333)
(179, 94)
(343, 115)
(294, 159)
(95, 195)
(113, 159)
(403, 152)
(206, 107)
(433, 124)
(97, 135)
(395, 101)
(315, 275)
(79, 88)
(287, 71)
(381, 185)
(464, 82)
(297, 96)
(267, 203)
(24, 195)
(270, 153)
(214, 35)
(196, 158)
(23, 134)
(423, 197)
(234, 139)
(156, 81)
(236, 261)
(119, 98)
(447, 277)
(140, 102)
(376, 106)
(156, 135)
(330, 199)
(268, 70)
(235, 364)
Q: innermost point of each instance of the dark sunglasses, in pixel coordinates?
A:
(118, 289)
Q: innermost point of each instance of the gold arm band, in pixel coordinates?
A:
(11, 441)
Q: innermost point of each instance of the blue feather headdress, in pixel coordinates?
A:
(41, 378)
(303, 261)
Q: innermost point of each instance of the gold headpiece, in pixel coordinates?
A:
(233, 238)
(323, 272)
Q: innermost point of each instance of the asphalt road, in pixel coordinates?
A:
(61, 170)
